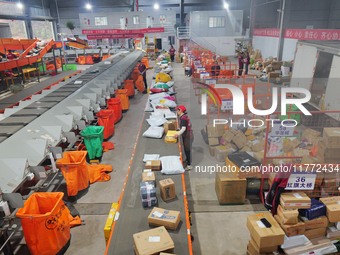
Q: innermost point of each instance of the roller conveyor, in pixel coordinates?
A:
(132, 216)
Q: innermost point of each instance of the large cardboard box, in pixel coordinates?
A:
(213, 141)
(170, 125)
(153, 241)
(253, 248)
(315, 233)
(321, 222)
(221, 153)
(287, 216)
(230, 189)
(217, 131)
(109, 221)
(149, 177)
(333, 208)
(328, 153)
(240, 140)
(262, 235)
(228, 136)
(331, 137)
(167, 189)
(291, 230)
(154, 165)
(162, 217)
(295, 200)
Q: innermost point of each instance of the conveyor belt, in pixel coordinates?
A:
(13, 99)
(132, 216)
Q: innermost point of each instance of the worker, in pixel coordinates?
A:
(240, 57)
(11, 55)
(142, 70)
(172, 53)
(186, 132)
(246, 61)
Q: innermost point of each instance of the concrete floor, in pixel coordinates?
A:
(218, 230)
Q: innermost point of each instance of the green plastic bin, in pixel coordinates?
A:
(93, 139)
(292, 108)
(70, 67)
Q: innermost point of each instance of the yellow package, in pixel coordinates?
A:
(170, 136)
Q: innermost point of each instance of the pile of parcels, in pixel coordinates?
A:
(301, 226)
(157, 239)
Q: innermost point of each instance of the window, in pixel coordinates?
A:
(100, 21)
(136, 20)
(216, 21)
(162, 19)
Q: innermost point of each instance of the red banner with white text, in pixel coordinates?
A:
(122, 31)
(93, 37)
(301, 34)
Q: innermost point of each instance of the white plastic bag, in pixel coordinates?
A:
(156, 121)
(154, 132)
(150, 157)
(170, 115)
(168, 103)
(171, 165)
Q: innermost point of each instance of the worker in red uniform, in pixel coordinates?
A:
(142, 70)
(172, 53)
(11, 55)
(186, 132)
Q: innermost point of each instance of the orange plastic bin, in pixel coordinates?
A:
(129, 85)
(74, 169)
(116, 105)
(123, 95)
(106, 119)
(45, 223)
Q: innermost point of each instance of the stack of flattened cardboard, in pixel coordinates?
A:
(266, 234)
(329, 147)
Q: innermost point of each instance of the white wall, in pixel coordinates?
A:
(225, 46)
(289, 48)
(267, 45)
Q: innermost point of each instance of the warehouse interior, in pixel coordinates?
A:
(175, 127)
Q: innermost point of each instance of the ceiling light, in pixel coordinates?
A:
(20, 5)
(226, 6)
(156, 6)
(88, 6)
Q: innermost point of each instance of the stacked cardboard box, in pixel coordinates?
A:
(329, 147)
(230, 189)
(266, 234)
(289, 221)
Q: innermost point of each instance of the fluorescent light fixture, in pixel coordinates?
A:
(88, 6)
(156, 6)
(226, 6)
(20, 5)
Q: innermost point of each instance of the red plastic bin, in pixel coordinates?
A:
(115, 104)
(123, 95)
(130, 87)
(106, 119)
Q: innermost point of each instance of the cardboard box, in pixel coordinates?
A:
(333, 208)
(212, 150)
(167, 189)
(165, 253)
(239, 140)
(230, 189)
(315, 233)
(328, 153)
(228, 136)
(162, 217)
(310, 135)
(153, 241)
(217, 131)
(253, 248)
(295, 200)
(154, 165)
(212, 141)
(149, 177)
(292, 230)
(259, 156)
(321, 222)
(109, 221)
(263, 236)
(287, 216)
(306, 249)
(331, 137)
(170, 125)
(221, 153)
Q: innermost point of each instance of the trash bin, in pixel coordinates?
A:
(130, 87)
(106, 118)
(73, 167)
(45, 223)
(93, 138)
(116, 105)
(123, 95)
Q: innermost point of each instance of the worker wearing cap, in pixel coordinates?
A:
(186, 133)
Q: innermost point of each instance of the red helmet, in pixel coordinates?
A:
(182, 108)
